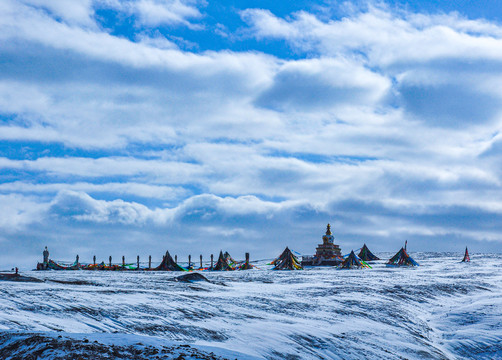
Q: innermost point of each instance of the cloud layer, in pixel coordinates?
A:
(384, 122)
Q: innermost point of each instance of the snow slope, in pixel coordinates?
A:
(443, 309)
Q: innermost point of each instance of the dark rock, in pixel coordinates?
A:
(191, 277)
(18, 277)
(33, 346)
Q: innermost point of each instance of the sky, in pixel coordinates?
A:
(132, 127)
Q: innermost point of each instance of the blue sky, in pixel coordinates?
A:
(132, 127)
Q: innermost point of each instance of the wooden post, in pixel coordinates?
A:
(76, 260)
(150, 261)
(189, 260)
(110, 258)
(247, 258)
(137, 268)
(94, 259)
(211, 261)
(123, 261)
(201, 261)
(176, 259)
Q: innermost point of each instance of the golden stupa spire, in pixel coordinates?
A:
(328, 230)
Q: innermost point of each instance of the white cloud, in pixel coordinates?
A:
(381, 120)
(383, 37)
(242, 205)
(160, 12)
(150, 191)
(441, 65)
(81, 207)
(158, 41)
(75, 12)
(167, 172)
(151, 13)
(20, 211)
(324, 83)
(154, 13)
(23, 23)
(265, 24)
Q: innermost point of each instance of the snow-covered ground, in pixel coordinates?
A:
(443, 309)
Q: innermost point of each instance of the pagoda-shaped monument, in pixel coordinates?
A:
(327, 253)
